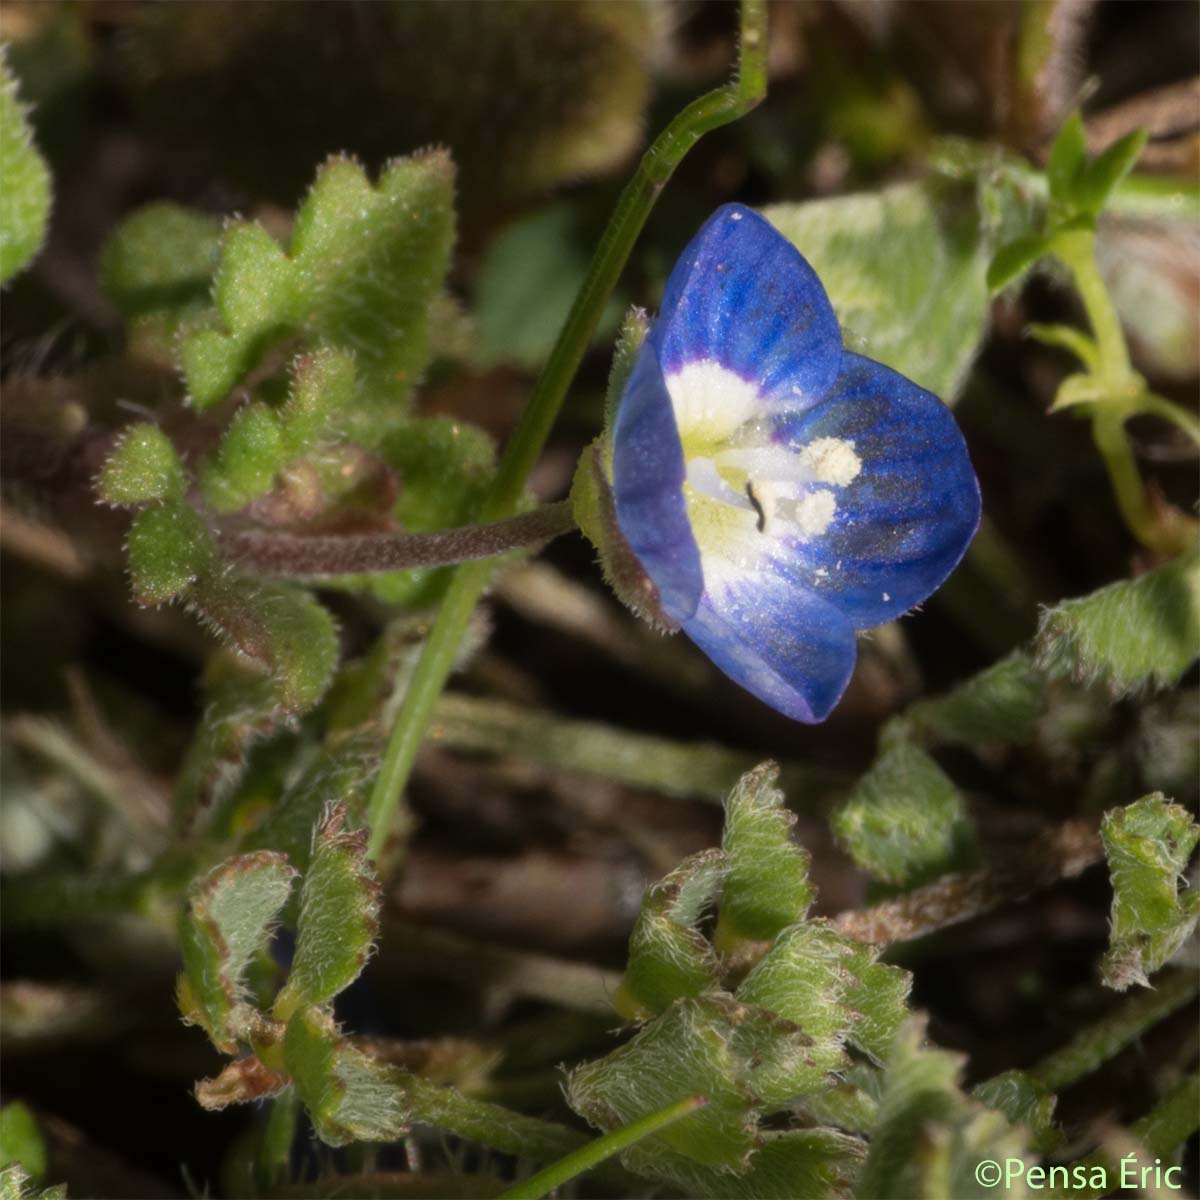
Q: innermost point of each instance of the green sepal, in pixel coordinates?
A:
(21, 1140)
(1068, 153)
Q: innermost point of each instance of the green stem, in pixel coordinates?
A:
(1078, 250)
(275, 1150)
(659, 162)
(1159, 528)
(589, 1156)
(1095, 1045)
(1158, 406)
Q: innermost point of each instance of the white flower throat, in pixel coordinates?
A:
(741, 483)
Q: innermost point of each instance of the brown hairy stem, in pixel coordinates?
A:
(265, 552)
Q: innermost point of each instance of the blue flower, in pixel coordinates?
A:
(780, 492)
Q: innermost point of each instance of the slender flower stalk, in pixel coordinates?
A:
(271, 553)
(586, 1157)
(717, 108)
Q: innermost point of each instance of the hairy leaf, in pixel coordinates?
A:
(262, 441)
(1133, 634)
(157, 267)
(905, 821)
(1000, 704)
(364, 265)
(1026, 1101)
(339, 916)
(349, 1096)
(142, 467)
(766, 884)
(928, 1136)
(1147, 846)
(668, 955)
(689, 1050)
(230, 918)
(25, 197)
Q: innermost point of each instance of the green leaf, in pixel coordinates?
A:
(929, 1137)
(766, 884)
(15, 1184)
(349, 1096)
(157, 267)
(1067, 337)
(798, 1162)
(142, 467)
(1098, 178)
(1131, 635)
(169, 548)
(668, 955)
(689, 1050)
(1014, 258)
(905, 821)
(832, 988)
(527, 284)
(1148, 846)
(1026, 1101)
(1000, 704)
(364, 266)
(339, 916)
(905, 269)
(229, 920)
(280, 626)
(1081, 390)
(21, 1140)
(1067, 156)
(25, 197)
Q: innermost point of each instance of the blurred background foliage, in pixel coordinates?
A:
(349, 233)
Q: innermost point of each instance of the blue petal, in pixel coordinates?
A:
(783, 643)
(742, 296)
(648, 475)
(905, 521)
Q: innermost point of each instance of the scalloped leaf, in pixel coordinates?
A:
(364, 266)
(142, 467)
(921, 1105)
(339, 916)
(766, 884)
(349, 1096)
(905, 821)
(668, 955)
(262, 441)
(157, 267)
(1135, 634)
(689, 1050)
(25, 197)
(229, 920)
(1002, 703)
(1148, 845)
